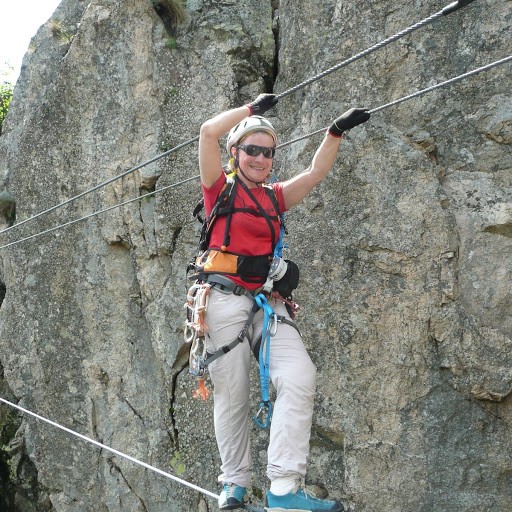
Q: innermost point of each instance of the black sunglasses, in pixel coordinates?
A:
(253, 150)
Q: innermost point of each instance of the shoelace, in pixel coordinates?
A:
(310, 495)
(231, 491)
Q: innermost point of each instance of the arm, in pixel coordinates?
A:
(297, 188)
(210, 156)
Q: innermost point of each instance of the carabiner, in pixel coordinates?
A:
(265, 410)
(196, 366)
(189, 334)
(273, 326)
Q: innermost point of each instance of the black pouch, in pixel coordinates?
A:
(289, 281)
(253, 269)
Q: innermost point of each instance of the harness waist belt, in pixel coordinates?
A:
(226, 285)
(253, 269)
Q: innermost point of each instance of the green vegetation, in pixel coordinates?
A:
(59, 32)
(177, 464)
(171, 43)
(6, 90)
(257, 492)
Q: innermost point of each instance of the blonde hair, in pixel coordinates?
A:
(230, 167)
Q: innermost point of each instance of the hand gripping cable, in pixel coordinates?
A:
(450, 8)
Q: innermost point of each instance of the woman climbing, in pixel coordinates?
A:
(235, 267)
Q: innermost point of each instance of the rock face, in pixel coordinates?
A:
(405, 249)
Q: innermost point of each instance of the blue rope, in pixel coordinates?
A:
(264, 361)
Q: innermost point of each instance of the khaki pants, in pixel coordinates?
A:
(293, 375)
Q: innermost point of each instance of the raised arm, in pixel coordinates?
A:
(298, 187)
(210, 156)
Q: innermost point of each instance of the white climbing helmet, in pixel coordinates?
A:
(249, 125)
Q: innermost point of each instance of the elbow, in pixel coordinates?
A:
(208, 131)
(316, 174)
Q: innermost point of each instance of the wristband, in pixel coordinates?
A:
(335, 135)
(335, 130)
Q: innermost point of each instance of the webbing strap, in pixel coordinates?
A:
(264, 360)
(242, 335)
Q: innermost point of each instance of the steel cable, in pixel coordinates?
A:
(101, 185)
(413, 95)
(443, 12)
(284, 144)
(112, 450)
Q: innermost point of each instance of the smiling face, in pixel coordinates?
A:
(254, 169)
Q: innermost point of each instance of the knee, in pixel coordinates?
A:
(307, 377)
(303, 381)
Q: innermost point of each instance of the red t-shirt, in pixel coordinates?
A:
(250, 234)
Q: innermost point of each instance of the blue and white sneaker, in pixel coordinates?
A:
(232, 496)
(300, 501)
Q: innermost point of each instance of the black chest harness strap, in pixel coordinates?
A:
(219, 260)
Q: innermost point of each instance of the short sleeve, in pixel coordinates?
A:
(211, 194)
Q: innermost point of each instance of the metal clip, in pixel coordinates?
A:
(189, 334)
(265, 411)
(196, 366)
(273, 326)
(197, 357)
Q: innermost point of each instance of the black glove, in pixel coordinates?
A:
(348, 120)
(262, 103)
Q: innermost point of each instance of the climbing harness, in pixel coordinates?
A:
(195, 329)
(225, 285)
(452, 7)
